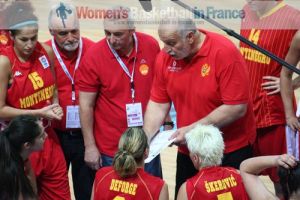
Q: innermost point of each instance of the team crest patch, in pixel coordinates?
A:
(205, 69)
(3, 39)
(144, 69)
(44, 61)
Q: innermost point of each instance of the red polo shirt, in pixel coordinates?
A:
(216, 75)
(63, 83)
(102, 73)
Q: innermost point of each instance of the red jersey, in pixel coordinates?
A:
(31, 87)
(109, 185)
(216, 75)
(32, 83)
(273, 32)
(100, 72)
(216, 183)
(63, 83)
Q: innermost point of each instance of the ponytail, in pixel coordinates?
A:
(132, 146)
(124, 164)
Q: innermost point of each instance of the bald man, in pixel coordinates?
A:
(69, 48)
(114, 86)
(206, 78)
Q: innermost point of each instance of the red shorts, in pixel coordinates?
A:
(50, 169)
(270, 141)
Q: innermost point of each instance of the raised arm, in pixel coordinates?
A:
(250, 169)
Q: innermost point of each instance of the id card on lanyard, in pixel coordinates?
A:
(72, 112)
(134, 114)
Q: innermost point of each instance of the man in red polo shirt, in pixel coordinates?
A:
(206, 78)
(114, 83)
(69, 48)
(271, 25)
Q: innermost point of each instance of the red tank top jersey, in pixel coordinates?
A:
(32, 81)
(216, 75)
(63, 83)
(273, 32)
(109, 185)
(216, 183)
(100, 72)
(31, 87)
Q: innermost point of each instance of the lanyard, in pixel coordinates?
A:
(63, 66)
(124, 67)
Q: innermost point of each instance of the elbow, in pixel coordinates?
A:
(241, 110)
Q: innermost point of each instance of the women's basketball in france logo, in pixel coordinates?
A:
(205, 70)
(144, 69)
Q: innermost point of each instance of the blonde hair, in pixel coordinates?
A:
(132, 146)
(207, 142)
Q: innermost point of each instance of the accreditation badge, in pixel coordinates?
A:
(134, 114)
(72, 118)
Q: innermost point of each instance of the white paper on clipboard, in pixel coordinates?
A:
(159, 143)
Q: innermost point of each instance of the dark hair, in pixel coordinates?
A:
(13, 180)
(22, 16)
(132, 146)
(289, 180)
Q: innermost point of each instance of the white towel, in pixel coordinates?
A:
(292, 142)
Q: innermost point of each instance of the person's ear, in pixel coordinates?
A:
(131, 31)
(196, 160)
(51, 32)
(26, 145)
(146, 153)
(190, 37)
(11, 36)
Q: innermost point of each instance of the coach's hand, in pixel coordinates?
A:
(180, 135)
(271, 84)
(92, 157)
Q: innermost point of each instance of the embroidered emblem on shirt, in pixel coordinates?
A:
(143, 61)
(44, 61)
(17, 73)
(174, 67)
(205, 69)
(3, 39)
(144, 69)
